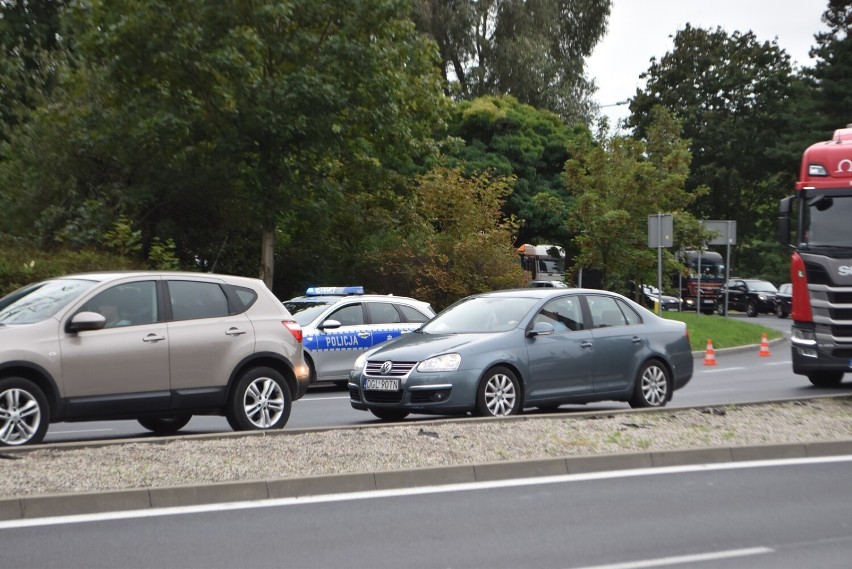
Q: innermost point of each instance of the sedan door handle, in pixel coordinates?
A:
(585, 344)
(235, 332)
(151, 338)
(636, 340)
(363, 335)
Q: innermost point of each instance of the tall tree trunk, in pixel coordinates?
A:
(267, 258)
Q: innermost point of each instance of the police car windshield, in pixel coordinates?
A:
(306, 311)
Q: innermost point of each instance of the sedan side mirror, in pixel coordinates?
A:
(84, 321)
(330, 324)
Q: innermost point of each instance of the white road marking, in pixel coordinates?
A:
(721, 369)
(697, 558)
(420, 490)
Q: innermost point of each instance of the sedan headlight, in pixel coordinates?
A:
(445, 362)
(360, 362)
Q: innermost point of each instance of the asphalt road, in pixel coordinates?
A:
(779, 515)
(741, 377)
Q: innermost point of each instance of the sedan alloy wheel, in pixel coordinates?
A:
(652, 387)
(499, 393)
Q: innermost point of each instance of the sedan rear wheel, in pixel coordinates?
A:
(779, 312)
(652, 386)
(166, 424)
(499, 394)
(24, 413)
(261, 401)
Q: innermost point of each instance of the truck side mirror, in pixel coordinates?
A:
(784, 221)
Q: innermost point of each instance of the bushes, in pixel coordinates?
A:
(22, 263)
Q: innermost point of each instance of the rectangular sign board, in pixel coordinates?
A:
(660, 230)
(725, 232)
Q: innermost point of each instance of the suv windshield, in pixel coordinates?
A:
(761, 286)
(41, 301)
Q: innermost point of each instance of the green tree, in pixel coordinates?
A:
(451, 240)
(508, 138)
(732, 94)
(831, 75)
(617, 182)
(211, 124)
(533, 50)
(30, 45)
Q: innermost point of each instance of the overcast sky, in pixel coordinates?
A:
(639, 30)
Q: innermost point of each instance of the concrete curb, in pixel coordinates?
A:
(30, 507)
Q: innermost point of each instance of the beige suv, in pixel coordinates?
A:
(156, 347)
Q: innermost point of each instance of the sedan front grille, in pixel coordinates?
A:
(398, 369)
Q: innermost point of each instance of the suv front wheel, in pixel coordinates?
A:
(261, 400)
(24, 413)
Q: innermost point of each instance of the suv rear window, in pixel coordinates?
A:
(194, 299)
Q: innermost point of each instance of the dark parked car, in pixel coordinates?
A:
(497, 353)
(784, 300)
(752, 296)
(651, 295)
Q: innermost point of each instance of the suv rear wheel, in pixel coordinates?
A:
(261, 400)
(24, 413)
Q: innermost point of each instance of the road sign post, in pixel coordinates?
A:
(660, 234)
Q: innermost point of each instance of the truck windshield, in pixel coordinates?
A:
(826, 222)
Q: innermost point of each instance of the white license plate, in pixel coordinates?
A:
(382, 384)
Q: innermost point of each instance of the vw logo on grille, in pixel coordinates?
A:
(386, 367)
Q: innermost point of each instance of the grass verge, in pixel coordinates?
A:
(724, 332)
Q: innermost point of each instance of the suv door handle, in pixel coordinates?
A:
(150, 338)
(235, 332)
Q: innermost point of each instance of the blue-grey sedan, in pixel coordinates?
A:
(498, 353)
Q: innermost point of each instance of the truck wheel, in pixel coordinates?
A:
(24, 413)
(826, 378)
(751, 309)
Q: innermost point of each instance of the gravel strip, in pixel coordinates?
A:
(283, 455)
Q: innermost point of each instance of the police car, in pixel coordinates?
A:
(340, 323)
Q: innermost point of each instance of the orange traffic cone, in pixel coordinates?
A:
(764, 347)
(709, 355)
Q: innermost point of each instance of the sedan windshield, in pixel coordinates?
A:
(39, 302)
(478, 315)
(305, 311)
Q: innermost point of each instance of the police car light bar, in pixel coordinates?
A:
(334, 290)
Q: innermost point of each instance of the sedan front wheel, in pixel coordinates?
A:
(499, 393)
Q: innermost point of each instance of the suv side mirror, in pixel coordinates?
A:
(83, 321)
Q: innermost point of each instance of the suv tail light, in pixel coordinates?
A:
(294, 329)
